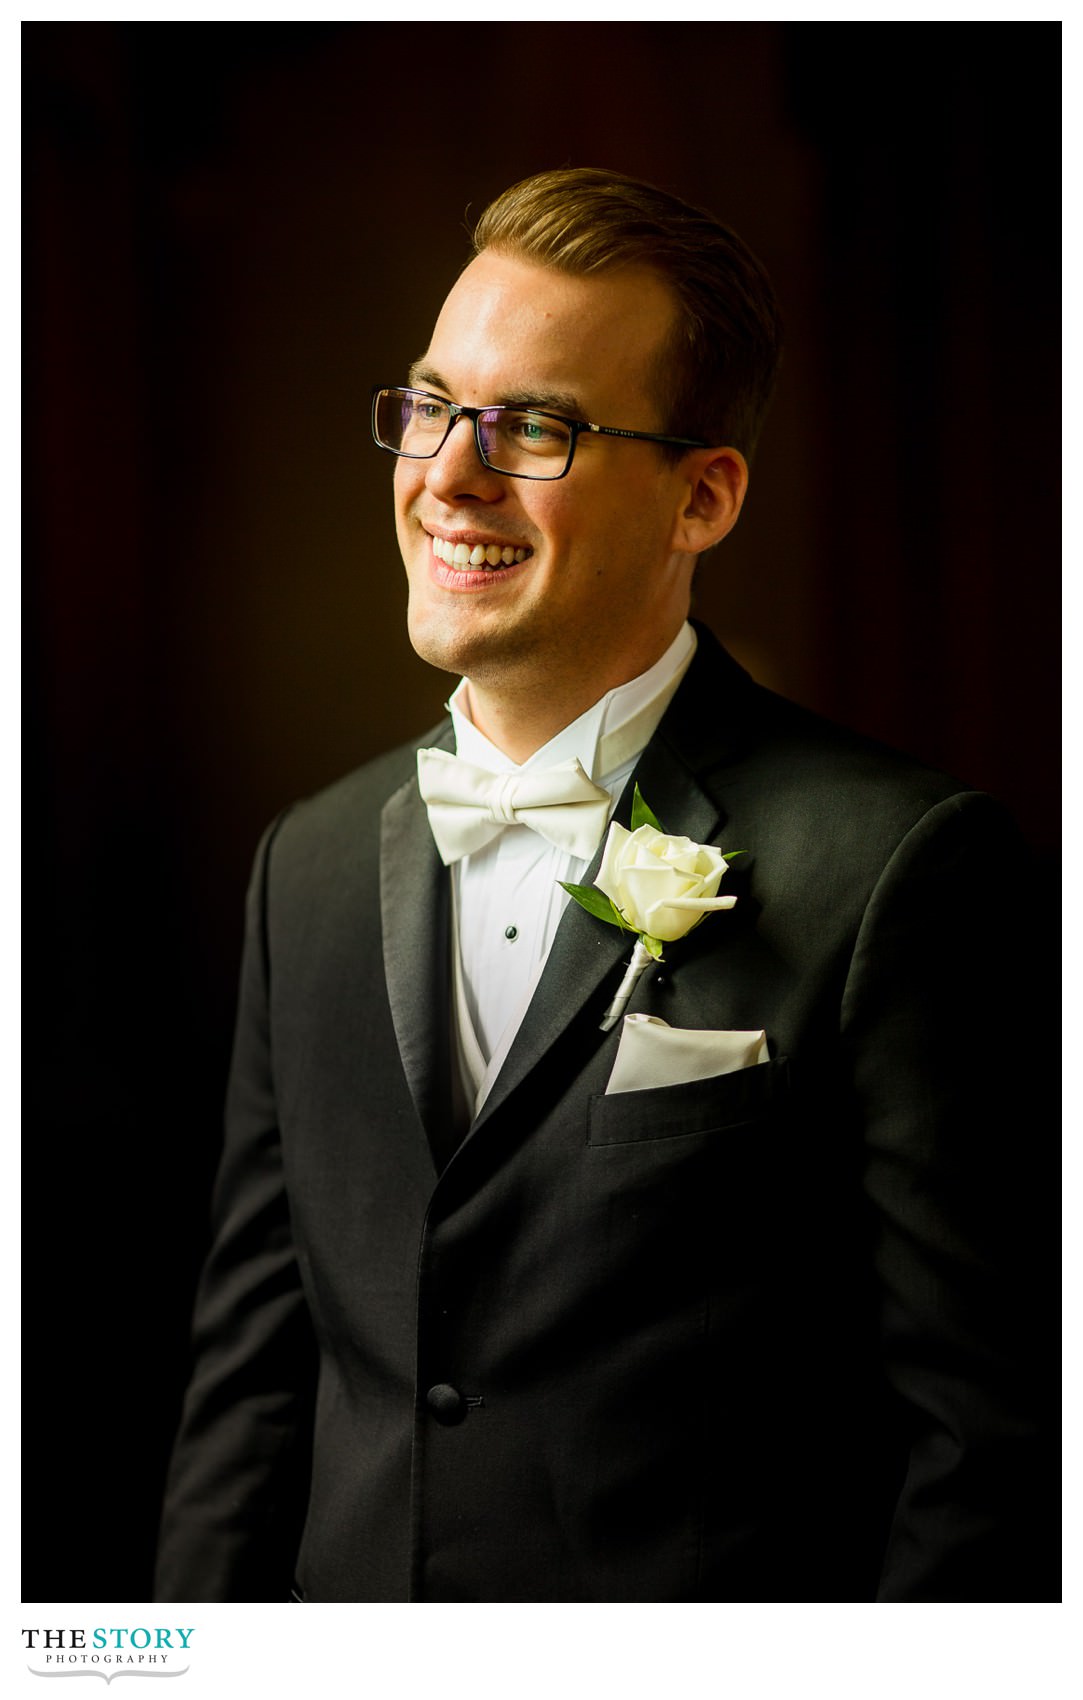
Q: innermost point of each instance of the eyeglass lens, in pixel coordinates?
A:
(514, 440)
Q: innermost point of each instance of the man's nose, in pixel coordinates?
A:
(458, 473)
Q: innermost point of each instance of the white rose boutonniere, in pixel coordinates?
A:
(654, 884)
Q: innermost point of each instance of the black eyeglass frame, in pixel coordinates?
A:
(576, 426)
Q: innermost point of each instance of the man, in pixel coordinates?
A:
(512, 1300)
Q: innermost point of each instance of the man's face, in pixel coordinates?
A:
(601, 591)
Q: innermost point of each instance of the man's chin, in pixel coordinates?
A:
(496, 647)
(442, 642)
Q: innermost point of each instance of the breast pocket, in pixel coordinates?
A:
(722, 1104)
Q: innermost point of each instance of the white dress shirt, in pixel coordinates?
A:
(506, 899)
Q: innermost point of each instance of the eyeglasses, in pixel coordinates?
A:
(520, 442)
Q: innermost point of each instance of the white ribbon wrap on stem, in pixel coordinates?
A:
(641, 958)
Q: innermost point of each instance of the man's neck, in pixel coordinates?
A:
(520, 721)
(518, 729)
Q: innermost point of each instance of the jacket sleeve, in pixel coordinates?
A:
(235, 1492)
(948, 1026)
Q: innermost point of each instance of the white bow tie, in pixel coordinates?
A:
(468, 807)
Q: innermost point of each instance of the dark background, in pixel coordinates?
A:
(232, 232)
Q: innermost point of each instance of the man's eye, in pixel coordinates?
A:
(534, 432)
(429, 412)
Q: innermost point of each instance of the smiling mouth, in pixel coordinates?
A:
(491, 556)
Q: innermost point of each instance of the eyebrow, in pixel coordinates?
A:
(552, 401)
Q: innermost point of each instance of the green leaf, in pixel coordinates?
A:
(595, 903)
(728, 855)
(653, 945)
(642, 815)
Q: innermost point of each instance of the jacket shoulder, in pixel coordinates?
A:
(813, 753)
(343, 818)
(796, 777)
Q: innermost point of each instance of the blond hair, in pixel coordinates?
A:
(718, 369)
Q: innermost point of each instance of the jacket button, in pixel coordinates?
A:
(446, 1403)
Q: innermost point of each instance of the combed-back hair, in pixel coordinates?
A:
(718, 369)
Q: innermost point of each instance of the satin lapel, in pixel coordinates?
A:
(587, 954)
(415, 907)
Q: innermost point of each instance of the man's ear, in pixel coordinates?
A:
(715, 489)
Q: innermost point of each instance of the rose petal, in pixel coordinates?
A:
(607, 878)
(644, 888)
(673, 919)
(706, 904)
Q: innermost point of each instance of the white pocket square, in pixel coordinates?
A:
(652, 1053)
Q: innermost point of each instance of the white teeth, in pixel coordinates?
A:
(480, 555)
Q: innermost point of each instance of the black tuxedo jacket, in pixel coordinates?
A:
(764, 1337)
